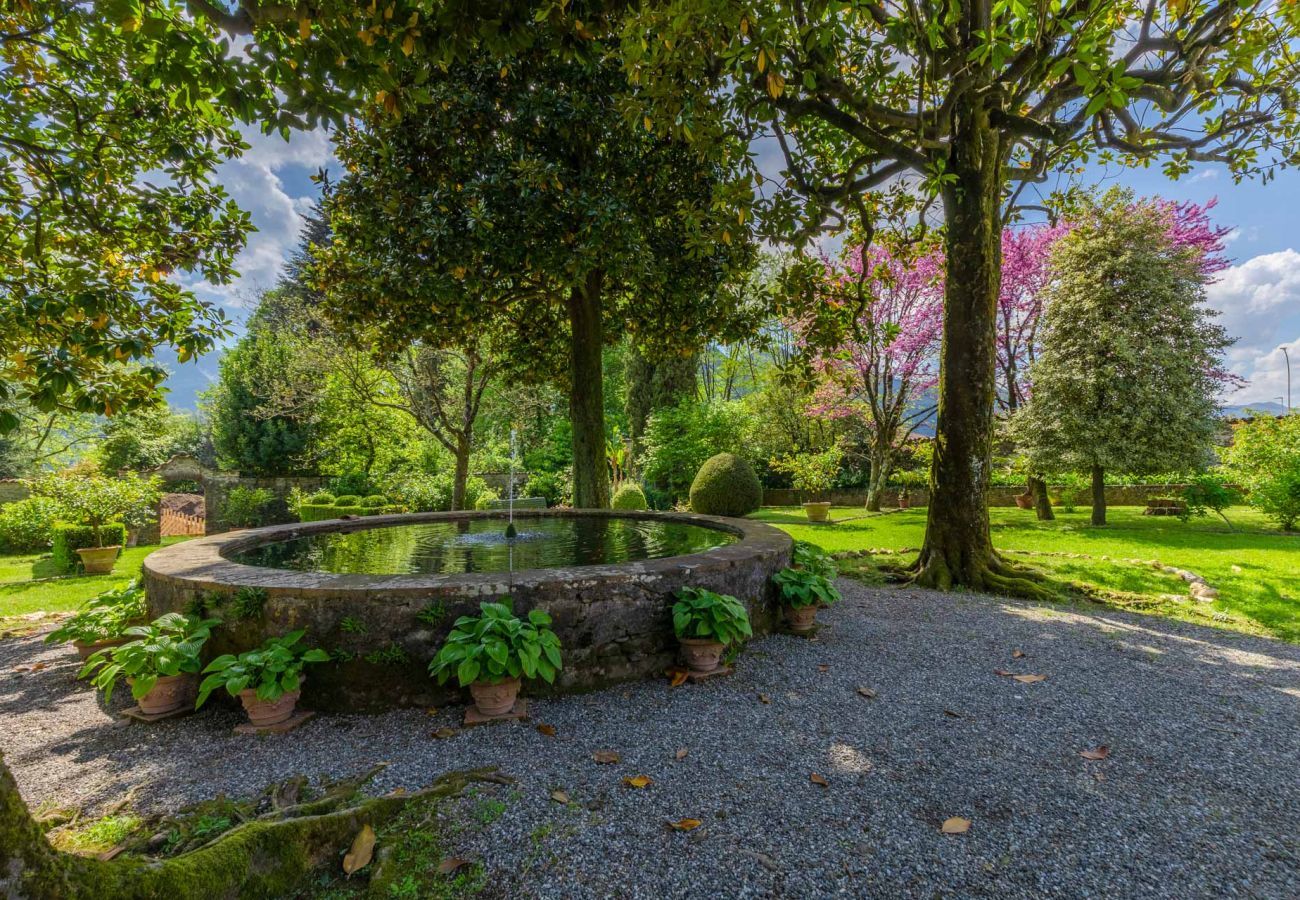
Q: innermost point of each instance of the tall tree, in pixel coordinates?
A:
(965, 102)
(1130, 369)
(516, 199)
(654, 384)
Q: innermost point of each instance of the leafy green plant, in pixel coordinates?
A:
(391, 655)
(1265, 458)
(811, 474)
(373, 501)
(28, 525)
(811, 558)
(347, 500)
(102, 618)
(433, 614)
(1071, 489)
(629, 496)
(272, 670)
(93, 500)
(352, 625)
(703, 614)
(497, 645)
(169, 645)
(322, 498)
(246, 507)
(248, 602)
(68, 539)
(1206, 493)
(800, 587)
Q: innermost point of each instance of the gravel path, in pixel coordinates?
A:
(1199, 797)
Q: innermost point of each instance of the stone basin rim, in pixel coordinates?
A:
(203, 562)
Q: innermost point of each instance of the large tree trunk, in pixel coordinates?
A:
(958, 548)
(876, 479)
(586, 395)
(462, 474)
(1098, 495)
(1042, 502)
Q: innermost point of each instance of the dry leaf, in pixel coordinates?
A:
(397, 792)
(363, 849)
(431, 711)
(818, 779)
(451, 864)
(955, 825)
(764, 698)
(111, 853)
(685, 824)
(1017, 654)
(953, 713)
(36, 667)
(681, 754)
(1003, 672)
(676, 677)
(867, 692)
(638, 781)
(444, 732)
(1100, 753)
(823, 668)
(548, 730)
(559, 796)
(1029, 679)
(606, 756)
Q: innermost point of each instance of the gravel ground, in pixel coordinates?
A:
(1199, 797)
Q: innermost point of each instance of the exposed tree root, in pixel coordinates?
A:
(993, 575)
(267, 857)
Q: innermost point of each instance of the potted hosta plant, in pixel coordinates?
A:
(705, 624)
(93, 501)
(268, 680)
(102, 621)
(813, 476)
(802, 592)
(160, 661)
(489, 652)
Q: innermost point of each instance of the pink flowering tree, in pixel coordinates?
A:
(873, 336)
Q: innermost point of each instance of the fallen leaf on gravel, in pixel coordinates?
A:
(431, 711)
(1029, 679)
(681, 754)
(953, 713)
(451, 864)
(823, 668)
(109, 854)
(1003, 672)
(1017, 654)
(955, 825)
(867, 692)
(36, 667)
(638, 781)
(818, 779)
(559, 796)
(764, 698)
(397, 792)
(685, 824)
(676, 677)
(606, 756)
(548, 730)
(1100, 753)
(363, 849)
(445, 732)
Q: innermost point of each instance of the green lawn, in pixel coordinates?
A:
(1256, 568)
(22, 591)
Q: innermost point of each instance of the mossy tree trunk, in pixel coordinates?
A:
(1042, 502)
(1098, 495)
(586, 394)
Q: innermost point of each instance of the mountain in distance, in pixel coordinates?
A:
(1244, 410)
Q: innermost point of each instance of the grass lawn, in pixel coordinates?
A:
(23, 591)
(1255, 567)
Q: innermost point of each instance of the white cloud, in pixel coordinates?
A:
(1260, 305)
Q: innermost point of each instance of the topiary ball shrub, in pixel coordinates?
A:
(726, 486)
(321, 498)
(629, 496)
(347, 500)
(374, 501)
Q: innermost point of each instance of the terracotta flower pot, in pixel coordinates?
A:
(495, 699)
(701, 655)
(801, 618)
(85, 649)
(98, 560)
(817, 512)
(170, 693)
(269, 712)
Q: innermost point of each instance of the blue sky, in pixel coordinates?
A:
(1259, 297)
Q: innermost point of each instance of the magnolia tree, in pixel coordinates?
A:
(874, 336)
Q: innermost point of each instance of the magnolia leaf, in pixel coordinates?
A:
(764, 698)
(1017, 654)
(1099, 753)
(1029, 679)
(867, 692)
(638, 781)
(451, 864)
(677, 677)
(445, 732)
(363, 850)
(681, 754)
(819, 779)
(606, 756)
(685, 824)
(823, 668)
(1003, 672)
(953, 714)
(559, 796)
(548, 730)
(955, 825)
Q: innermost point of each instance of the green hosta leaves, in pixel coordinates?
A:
(102, 618)
(169, 645)
(801, 587)
(496, 645)
(272, 670)
(700, 613)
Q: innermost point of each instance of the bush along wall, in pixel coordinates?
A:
(315, 512)
(68, 539)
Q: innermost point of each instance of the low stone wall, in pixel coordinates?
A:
(1116, 495)
(12, 490)
(614, 622)
(217, 488)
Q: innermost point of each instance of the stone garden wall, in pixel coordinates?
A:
(1116, 495)
(217, 488)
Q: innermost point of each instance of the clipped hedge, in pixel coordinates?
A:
(68, 539)
(726, 486)
(348, 500)
(316, 512)
(629, 496)
(374, 501)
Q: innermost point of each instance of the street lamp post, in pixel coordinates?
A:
(1287, 357)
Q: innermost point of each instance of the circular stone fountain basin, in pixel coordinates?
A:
(380, 593)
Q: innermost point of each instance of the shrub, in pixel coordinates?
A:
(1265, 459)
(353, 483)
(800, 588)
(497, 645)
(169, 645)
(28, 525)
(68, 539)
(680, 439)
(1071, 491)
(702, 614)
(553, 486)
(811, 474)
(373, 501)
(94, 500)
(102, 618)
(347, 500)
(726, 486)
(629, 496)
(321, 498)
(272, 670)
(486, 499)
(811, 558)
(1206, 493)
(246, 507)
